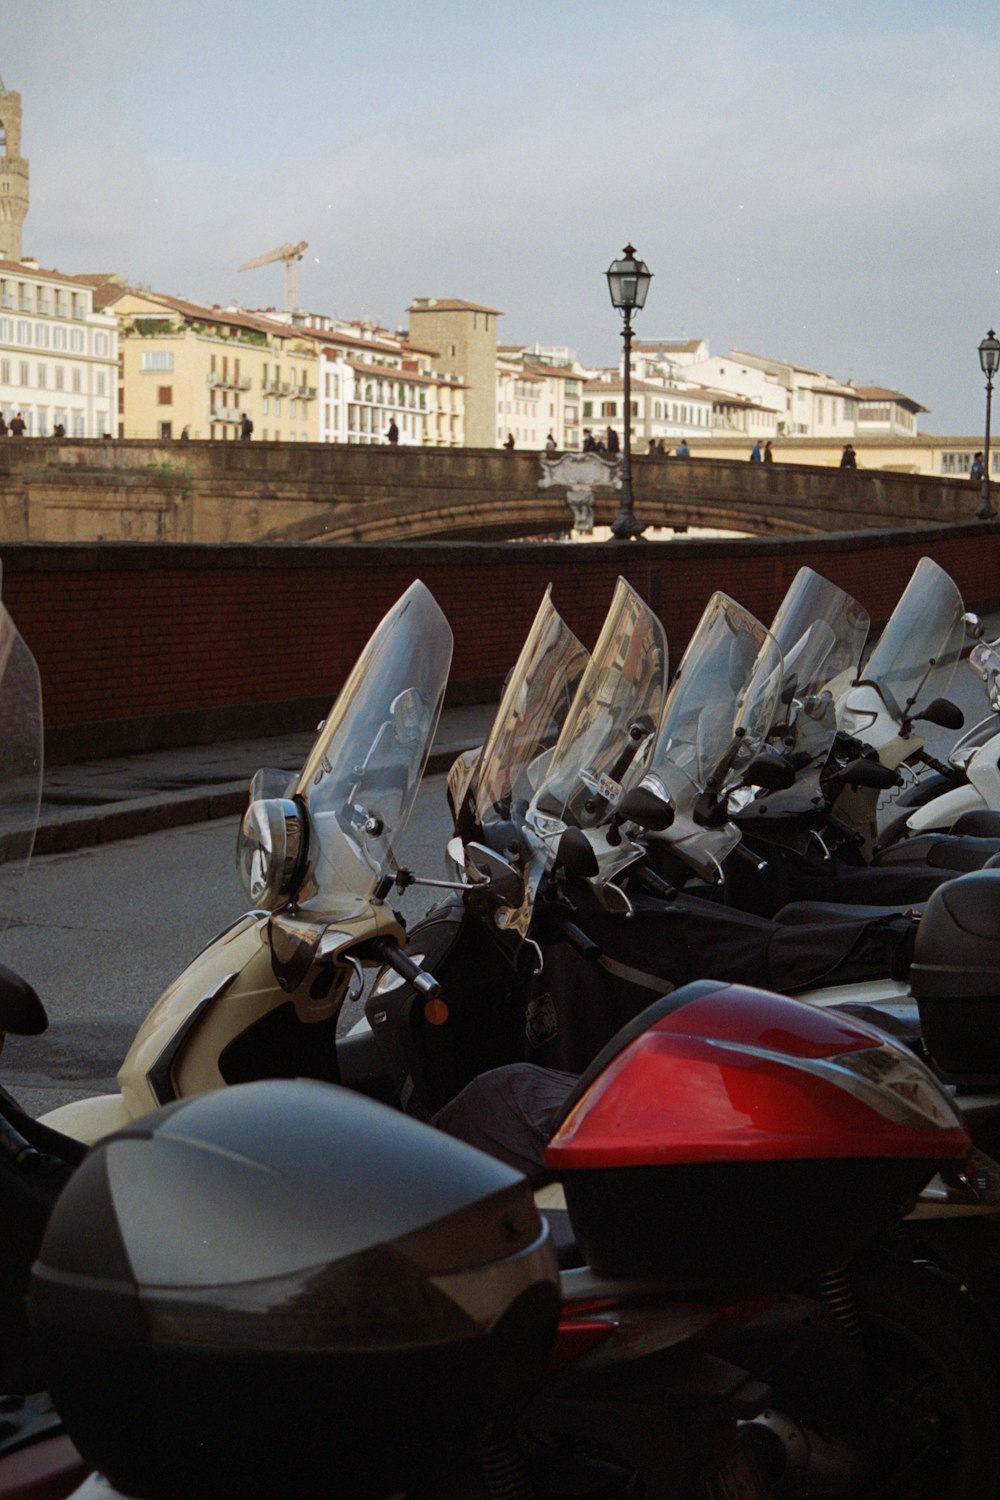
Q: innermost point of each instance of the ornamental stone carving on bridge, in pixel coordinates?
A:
(581, 474)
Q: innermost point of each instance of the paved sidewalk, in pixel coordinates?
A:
(96, 802)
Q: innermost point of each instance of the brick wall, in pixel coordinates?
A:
(141, 646)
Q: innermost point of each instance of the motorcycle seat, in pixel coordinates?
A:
(800, 912)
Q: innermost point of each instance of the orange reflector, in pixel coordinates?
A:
(435, 1012)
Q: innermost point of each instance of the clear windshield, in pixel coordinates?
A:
(920, 646)
(364, 770)
(723, 699)
(717, 716)
(612, 717)
(20, 760)
(531, 714)
(821, 631)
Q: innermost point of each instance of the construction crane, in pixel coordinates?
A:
(291, 255)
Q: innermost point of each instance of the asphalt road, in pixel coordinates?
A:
(101, 933)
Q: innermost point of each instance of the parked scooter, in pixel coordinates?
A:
(804, 848)
(398, 1276)
(965, 797)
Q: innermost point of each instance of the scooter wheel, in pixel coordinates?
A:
(933, 1385)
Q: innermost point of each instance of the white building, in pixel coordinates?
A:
(58, 357)
(885, 413)
(538, 392)
(816, 404)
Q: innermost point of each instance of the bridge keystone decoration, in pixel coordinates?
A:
(581, 473)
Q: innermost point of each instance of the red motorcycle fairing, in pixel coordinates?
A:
(727, 1134)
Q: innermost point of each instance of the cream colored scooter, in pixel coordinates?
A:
(316, 858)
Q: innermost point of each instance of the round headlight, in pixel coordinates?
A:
(271, 841)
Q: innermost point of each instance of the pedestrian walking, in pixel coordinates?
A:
(848, 459)
(768, 455)
(589, 445)
(976, 470)
(17, 426)
(611, 442)
(246, 428)
(392, 435)
(756, 456)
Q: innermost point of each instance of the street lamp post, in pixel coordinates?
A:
(628, 283)
(989, 362)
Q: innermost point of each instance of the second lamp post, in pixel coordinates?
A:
(989, 363)
(628, 283)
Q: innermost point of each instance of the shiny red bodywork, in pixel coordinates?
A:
(726, 1077)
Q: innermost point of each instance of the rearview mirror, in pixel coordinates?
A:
(772, 772)
(496, 872)
(945, 714)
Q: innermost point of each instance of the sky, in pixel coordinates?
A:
(810, 181)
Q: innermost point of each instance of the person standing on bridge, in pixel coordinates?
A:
(756, 456)
(976, 470)
(683, 451)
(848, 459)
(392, 435)
(246, 428)
(612, 445)
(768, 455)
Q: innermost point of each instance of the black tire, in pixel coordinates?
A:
(933, 1396)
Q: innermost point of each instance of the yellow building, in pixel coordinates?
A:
(203, 371)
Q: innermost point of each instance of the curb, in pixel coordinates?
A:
(86, 827)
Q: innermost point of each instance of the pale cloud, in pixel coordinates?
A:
(817, 194)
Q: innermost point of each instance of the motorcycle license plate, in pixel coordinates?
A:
(735, 1477)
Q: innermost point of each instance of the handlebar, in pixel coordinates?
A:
(577, 939)
(407, 968)
(740, 851)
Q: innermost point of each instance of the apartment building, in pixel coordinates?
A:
(58, 353)
(538, 392)
(203, 369)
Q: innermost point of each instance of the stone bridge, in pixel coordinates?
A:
(86, 491)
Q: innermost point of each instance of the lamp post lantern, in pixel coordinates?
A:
(989, 363)
(628, 283)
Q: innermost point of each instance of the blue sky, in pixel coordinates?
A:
(811, 181)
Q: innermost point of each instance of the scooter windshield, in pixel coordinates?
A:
(362, 775)
(717, 716)
(723, 699)
(531, 714)
(821, 631)
(920, 646)
(601, 749)
(815, 657)
(20, 761)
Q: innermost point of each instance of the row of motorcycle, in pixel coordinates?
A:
(660, 1164)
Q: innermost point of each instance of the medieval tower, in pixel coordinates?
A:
(13, 176)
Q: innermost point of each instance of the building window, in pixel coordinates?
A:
(156, 359)
(101, 343)
(165, 395)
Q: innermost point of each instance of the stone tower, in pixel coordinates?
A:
(465, 338)
(13, 176)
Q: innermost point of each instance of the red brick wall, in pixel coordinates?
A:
(145, 645)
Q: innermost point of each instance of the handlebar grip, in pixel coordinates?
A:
(578, 939)
(22, 1154)
(407, 968)
(654, 884)
(748, 857)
